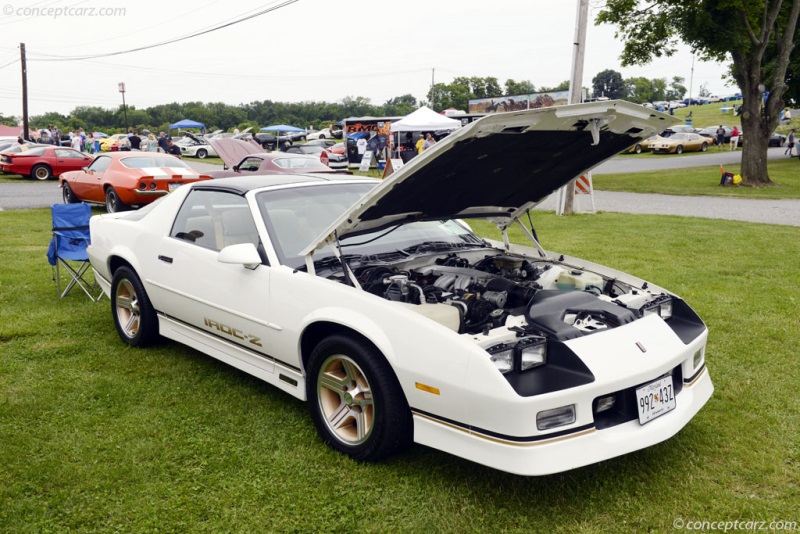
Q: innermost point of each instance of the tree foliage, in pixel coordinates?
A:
(757, 35)
(609, 83)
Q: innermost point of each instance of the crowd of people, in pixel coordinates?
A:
(89, 142)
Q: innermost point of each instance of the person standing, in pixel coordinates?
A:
(135, 141)
(790, 144)
(428, 143)
(720, 138)
(734, 138)
(77, 142)
(162, 141)
(418, 146)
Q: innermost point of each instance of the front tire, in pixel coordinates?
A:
(67, 195)
(42, 172)
(202, 153)
(679, 149)
(637, 148)
(134, 316)
(356, 402)
(113, 203)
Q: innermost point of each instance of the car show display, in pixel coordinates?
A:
(376, 303)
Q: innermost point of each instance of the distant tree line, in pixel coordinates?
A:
(220, 116)
(456, 94)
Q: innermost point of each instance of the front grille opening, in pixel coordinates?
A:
(624, 408)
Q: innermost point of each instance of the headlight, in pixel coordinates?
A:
(556, 417)
(502, 356)
(523, 355)
(661, 305)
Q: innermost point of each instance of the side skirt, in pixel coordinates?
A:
(263, 367)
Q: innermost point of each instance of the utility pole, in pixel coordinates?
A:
(433, 93)
(576, 86)
(121, 86)
(24, 92)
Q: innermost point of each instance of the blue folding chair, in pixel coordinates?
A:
(68, 248)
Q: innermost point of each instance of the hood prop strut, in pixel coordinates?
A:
(337, 251)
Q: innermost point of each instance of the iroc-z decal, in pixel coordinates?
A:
(231, 331)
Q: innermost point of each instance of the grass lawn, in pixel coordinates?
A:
(100, 437)
(704, 181)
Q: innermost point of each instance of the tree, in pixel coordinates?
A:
(608, 83)
(519, 88)
(758, 36)
(676, 89)
(400, 105)
(704, 92)
(563, 86)
(640, 90)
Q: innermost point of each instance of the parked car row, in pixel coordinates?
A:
(684, 138)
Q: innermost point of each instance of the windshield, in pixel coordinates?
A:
(295, 216)
(143, 162)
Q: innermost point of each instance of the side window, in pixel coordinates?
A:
(250, 164)
(100, 164)
(215, 220)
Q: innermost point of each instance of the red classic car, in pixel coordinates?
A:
(124, 179)
(43, 162)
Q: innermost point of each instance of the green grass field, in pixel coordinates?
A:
(99, 437)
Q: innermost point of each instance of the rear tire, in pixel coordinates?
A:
(67, 195)
(42, 172)
(704, 147)
(134, 316)
(113, 203)
(356, 402)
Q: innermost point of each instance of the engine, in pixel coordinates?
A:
(554, 300)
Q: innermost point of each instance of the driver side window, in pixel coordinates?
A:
(215, 220)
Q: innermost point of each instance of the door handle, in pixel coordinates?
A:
(165, 259)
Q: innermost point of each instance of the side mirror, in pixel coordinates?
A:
(86, 169)
(242, 254)
(236, 168)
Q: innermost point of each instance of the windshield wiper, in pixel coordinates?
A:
(438, 246)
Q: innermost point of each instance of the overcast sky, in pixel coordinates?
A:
(308, 50)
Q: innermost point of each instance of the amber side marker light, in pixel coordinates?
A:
(429, 389)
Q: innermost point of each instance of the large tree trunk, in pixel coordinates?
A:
(756, 134)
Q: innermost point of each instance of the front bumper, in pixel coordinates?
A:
(563, 451)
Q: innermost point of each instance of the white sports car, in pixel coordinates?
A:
(377, 304)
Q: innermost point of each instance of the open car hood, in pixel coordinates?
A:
(232, 151)
(500, 166)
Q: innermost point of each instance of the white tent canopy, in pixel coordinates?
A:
(425, 119)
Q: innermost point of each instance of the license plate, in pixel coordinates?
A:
(655, 399)
(173, 186)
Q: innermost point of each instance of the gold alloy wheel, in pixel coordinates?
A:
(345, 400)
(126, 305)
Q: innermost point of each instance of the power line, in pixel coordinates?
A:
(50, 57)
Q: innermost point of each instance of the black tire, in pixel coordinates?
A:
(321, 136)
(202, 153)
(679, 149)
(41, 172)
(113, 203)
(637, 148)
(704, 147)
(355, 400)
(134, 316)
(67, 195)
